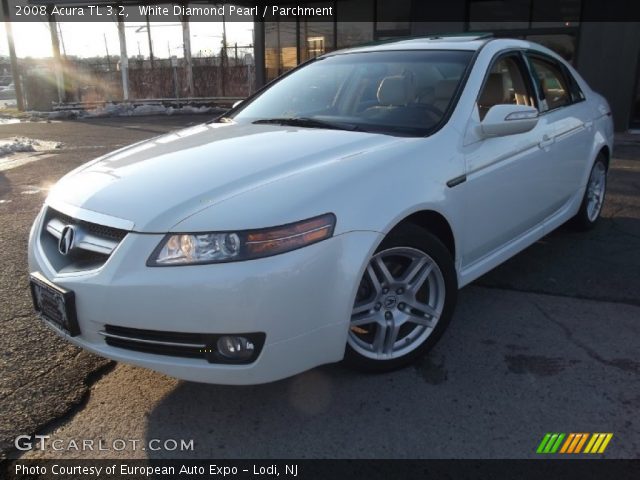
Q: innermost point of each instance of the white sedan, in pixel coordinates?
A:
(332, 215)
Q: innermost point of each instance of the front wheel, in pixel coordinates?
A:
(404, 302)
(594, 194)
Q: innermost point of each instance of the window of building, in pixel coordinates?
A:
(552, 84)
(506, 83)
(555, 13)
(391, 18)
(563, 44)
(488, 15)
(635, 112)
(316, 38)
(281, 50)
(351, 34)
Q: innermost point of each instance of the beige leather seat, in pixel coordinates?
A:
(492, 94)
(394, 94)
(396, 91)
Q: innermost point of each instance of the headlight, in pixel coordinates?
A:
(200, 248)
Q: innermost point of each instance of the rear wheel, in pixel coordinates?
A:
(594, 194)
(404, 302)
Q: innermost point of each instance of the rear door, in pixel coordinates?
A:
(562, 106)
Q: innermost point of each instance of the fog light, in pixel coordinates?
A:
(235, 347)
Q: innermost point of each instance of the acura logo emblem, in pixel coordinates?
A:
(390, 302)
(66, 242)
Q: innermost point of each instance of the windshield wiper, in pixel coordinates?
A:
(306, 122)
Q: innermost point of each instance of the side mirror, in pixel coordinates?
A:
(237, 103)
(502, 120)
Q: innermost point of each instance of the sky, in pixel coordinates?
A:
(87, 39)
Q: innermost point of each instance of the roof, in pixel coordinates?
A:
(452, 42)
(470, 42)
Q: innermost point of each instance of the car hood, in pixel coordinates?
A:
(159, 182)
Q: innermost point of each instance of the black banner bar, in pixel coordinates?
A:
(543, 468)
(531, 12)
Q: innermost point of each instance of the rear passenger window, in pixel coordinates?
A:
(576, 92)
(553, 84)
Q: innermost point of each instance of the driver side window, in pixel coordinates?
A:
(505, 84)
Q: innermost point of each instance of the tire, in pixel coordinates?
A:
(419, 285)
(594, 196)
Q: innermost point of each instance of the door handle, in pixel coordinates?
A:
(588, 125)
(546, 141)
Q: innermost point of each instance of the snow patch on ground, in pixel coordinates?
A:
(24, 144)
(128, 110)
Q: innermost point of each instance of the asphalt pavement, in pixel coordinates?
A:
(547, 342)
(41, 376)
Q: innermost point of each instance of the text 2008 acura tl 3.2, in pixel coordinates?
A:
(333, 215)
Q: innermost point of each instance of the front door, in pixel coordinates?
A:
(505, 189)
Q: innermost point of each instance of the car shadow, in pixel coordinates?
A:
(602, 264)
(243, 421)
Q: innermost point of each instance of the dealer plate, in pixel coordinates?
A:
(54, 304)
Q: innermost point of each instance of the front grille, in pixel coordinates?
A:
(93, 245)
(174, 344)
(94, 228)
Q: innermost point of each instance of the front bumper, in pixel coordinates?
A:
(301, 300)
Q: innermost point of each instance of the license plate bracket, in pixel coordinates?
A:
(54, 304)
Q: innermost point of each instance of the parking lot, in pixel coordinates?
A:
(548, 342)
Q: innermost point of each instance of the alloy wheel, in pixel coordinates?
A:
(596, 190)
(399, 303)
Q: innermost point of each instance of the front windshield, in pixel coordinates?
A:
(396, 92)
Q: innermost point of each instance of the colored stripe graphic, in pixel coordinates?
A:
(550, 443)
(567, 442)
(556, 446)
(598, 443)
(577, 437)
(574, 443)
(581, 442)
(605, 443)
(594, 437)
(543, 443)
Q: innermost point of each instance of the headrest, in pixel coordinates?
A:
(396, 91)
(493, 93)
(445, 88)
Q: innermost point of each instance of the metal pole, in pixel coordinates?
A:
(224, 55)
(150, 43)
(64, 49)
(55, 46)
(124, 59)
(186, 46)
(106, 48)
(15, 71)
(259, 53)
